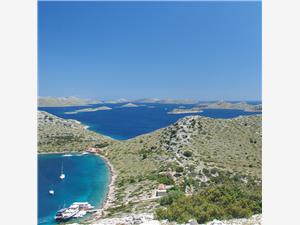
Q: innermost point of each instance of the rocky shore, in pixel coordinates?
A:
(148, 219)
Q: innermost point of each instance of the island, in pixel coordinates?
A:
(181, 110)
(230, 105)
(120, 100)
(156, 176)
(166, 101)
(128, 105)
(101, 108)
(64, 101)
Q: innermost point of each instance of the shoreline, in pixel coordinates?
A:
(110, 194)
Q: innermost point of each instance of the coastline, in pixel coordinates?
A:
(110, 194)
(109, 197)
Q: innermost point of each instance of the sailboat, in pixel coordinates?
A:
(62, 175)
(51, 192)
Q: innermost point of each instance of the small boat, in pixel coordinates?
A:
(67, 155)
(51, 192)
(62, 175)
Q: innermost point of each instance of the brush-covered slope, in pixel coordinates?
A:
(60, 135)
(193, 153)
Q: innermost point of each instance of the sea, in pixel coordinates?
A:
(87, 176)
(122, 123)
(87, 179)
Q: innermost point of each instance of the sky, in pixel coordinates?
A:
(176, 50)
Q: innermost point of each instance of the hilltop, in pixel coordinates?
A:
(64, 101)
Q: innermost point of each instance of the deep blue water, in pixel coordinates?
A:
(87, 179)
(124, 123)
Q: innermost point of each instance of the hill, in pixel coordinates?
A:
(194, 153)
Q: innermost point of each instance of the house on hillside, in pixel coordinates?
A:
(162, 190)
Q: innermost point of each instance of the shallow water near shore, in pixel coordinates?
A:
(87, 179)
(123, 123)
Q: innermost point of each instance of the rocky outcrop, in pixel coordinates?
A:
(147, 219)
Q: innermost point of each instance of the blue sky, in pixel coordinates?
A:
(110, 50)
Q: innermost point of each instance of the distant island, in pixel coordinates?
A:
(166, 101)
(64, 101)
(120, 100)
(229, 105)
(181, 110)
(101, 108)
(218, 105)
(129, 105)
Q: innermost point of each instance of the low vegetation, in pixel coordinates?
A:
(60, 135)
(224, 201)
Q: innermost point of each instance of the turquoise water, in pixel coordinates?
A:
(124, 123)
(87, 179)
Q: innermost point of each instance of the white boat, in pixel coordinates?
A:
(76, 210)
(67, 213)
(67, 155)
(62, 175)
(51, 192)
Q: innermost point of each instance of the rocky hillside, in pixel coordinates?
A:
(193, 153)
(64, 101)
(199, 156)
(147, 219)
(60, 135)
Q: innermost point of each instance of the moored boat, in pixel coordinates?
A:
(62, 175)
(76, 210)
(67, 213)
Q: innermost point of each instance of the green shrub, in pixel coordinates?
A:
(165, 179)
(187, 153)
(220, 202)
(101, 145)
(179, 169)
(171, 197)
